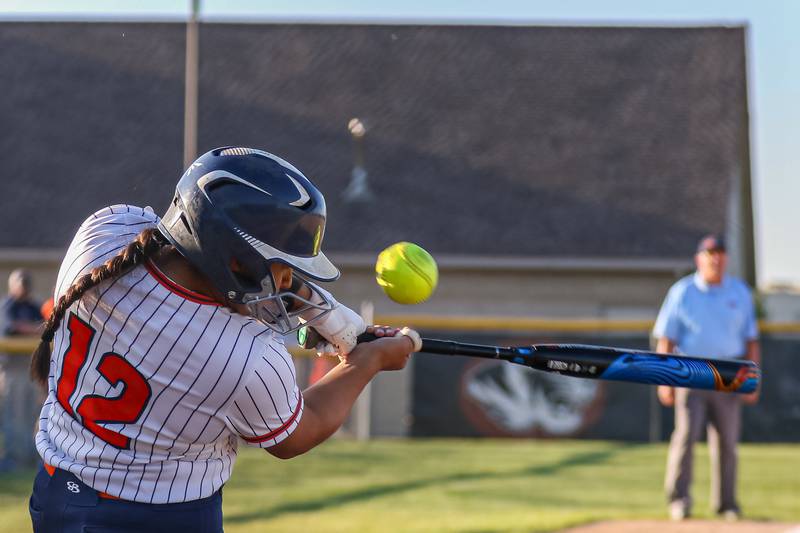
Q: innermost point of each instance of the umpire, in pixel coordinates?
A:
(707, 313)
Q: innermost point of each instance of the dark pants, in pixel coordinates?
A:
(62, 504)
(720, 413)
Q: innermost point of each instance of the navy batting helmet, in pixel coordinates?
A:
(249, 208)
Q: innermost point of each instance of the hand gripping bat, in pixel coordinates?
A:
(599, 362)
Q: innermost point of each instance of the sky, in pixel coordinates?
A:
(773, 54)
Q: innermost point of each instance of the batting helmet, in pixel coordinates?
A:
(249, 208)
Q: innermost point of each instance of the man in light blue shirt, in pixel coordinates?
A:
(708, 314)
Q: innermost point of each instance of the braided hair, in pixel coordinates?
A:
(144, 246)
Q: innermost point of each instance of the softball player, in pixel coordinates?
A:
(167, 349)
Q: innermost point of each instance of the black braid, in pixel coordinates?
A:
(145, 245)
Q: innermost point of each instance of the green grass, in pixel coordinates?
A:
(467, 486)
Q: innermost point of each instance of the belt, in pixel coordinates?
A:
(52, 470)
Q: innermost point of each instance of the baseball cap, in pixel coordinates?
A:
(711, 242)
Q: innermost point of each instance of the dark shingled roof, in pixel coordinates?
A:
(538, 141)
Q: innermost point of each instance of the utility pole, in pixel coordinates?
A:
(191, 82)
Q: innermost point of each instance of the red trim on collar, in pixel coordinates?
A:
(173, 287)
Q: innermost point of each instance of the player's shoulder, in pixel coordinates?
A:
(119, 222)
(119, 216)
(101, 236)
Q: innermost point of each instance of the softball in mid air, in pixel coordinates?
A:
(406, 273)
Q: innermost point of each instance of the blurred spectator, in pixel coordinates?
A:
(708, 313)
(19, 314)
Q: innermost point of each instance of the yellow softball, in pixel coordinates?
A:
(406, 273)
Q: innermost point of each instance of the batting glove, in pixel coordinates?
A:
(340, 327)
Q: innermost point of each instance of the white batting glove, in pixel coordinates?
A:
(340, 327)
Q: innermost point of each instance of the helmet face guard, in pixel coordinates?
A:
(249, 208)
(281, 310)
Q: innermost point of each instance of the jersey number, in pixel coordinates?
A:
(94, 409)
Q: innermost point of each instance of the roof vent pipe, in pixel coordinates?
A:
(358, 189)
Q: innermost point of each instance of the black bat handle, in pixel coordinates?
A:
(470, 350)
(310, 338)
(431, 346)
(428, 345)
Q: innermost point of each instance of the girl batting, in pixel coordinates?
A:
(165, 349)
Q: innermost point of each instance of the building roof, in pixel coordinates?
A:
(481, 140)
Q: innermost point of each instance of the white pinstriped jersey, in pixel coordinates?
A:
(152, 385)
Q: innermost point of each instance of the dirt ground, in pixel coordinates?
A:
(688, 526)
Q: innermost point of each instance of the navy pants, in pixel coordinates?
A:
(63, 504)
